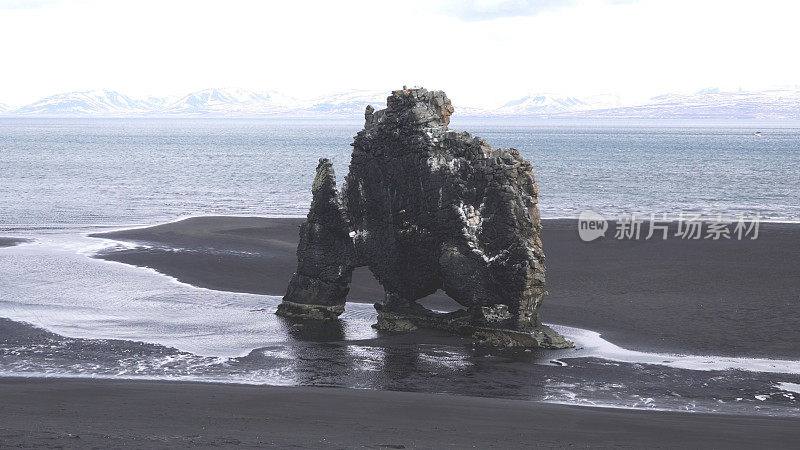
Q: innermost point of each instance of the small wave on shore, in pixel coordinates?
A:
(591, 344)
(394, 363)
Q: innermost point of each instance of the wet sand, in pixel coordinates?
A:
(726, 297)
(83, 413)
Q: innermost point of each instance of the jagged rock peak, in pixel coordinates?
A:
(417, 107)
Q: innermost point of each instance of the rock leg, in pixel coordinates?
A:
(319, 287)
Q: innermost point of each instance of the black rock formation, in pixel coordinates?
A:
(427, 208)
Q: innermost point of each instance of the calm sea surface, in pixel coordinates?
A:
(68, 173)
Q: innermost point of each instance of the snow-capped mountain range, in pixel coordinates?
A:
(346, 104)
(550, 104)
(100, 102)
(226, 102)
(711, 104)
(213, 102)
(236, 102)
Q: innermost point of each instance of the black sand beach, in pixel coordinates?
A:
(81, 413)
(10, 242)
(725, 297)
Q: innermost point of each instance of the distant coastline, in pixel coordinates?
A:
(747, 126)
(707, 104)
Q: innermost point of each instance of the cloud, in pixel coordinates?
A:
(482, 53)
(479, 10)
(476, 10)
(26, 4)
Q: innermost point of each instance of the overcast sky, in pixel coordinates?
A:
(480, 52)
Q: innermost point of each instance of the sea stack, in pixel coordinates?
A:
(427, 208)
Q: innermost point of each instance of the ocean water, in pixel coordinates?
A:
(78, 173)
(64, 313)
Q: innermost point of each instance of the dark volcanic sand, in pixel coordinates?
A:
(726, 297)
(144, 414)
(10, 242)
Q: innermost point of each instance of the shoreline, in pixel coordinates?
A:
(75, 412)
(97, 229)
(658, 296)
(12, 241)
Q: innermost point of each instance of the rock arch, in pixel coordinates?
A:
(427, 208)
